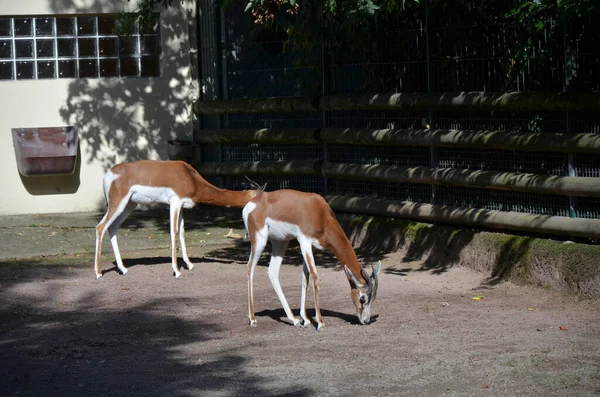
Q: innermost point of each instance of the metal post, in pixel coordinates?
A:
(210, 73)
(568, 85)
(433, 154)
(223, 61)
(324, 91)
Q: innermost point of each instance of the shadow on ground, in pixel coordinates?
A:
(84, 348)
(280, 316)
(239, 252)
(197, 218)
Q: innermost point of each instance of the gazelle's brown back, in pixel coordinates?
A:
(309, 211)
(153, 173)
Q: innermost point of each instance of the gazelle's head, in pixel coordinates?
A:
(363, 294)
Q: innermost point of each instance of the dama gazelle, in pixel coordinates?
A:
(284, 215)
(175, 183)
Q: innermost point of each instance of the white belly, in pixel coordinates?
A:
(151, 195)
(283, 231)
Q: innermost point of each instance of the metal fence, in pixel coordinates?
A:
(420, 58)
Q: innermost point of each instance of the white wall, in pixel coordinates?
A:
(118, 119)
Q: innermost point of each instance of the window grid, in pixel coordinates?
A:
(30, 64)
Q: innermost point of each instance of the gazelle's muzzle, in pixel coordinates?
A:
(364, 316)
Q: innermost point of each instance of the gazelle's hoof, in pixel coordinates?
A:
(189, 266)
(306, 323)
(178, 274)
(320, 326)
(297, 322)
(98, 275)
(252, 323)
(123, 271)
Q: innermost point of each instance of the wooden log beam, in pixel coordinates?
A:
(479, 218)
(480, 101)
(256, 105)
(523, 141)
(520, 182)
(266, 168)
(476, 101)
(262, 135)
(479, 139)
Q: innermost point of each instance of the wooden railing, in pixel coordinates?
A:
(520, 141)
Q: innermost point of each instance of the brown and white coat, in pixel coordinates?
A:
(174, 183)
(283, 215)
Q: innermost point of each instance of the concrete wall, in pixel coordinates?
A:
(118, 119)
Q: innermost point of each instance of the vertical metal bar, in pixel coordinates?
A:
(199, 60)
(55, 45)
(223, 53)
(220, 85)
(324, 91)
(76, 41)
(13, 49)
(221, 60)
(34, 39)
(210, 72)
(433, 154)
(567, 86)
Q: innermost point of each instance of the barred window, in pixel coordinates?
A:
(49, 47)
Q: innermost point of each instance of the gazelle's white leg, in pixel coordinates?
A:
(113, 214)
(306, 248)
(305, 282)
(100, 230)
(113, 228)
(184, 254)
(279, 248)
(259, 241)
(175, 210)
(112, 232)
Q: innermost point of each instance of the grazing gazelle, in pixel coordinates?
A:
(175, 183)
(284, 215)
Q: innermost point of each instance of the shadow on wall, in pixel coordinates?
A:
(127, 119)
(439, 247)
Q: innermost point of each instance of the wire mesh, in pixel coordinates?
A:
(587, 207)
(504, 161)
(513, 121)
(383, 155)
(263, 152)
(472, 56)
(274, 120)
(501, 200)
(397, 63)
(391, 191)
(303, 183)
(375, 119)
(584, 122)
(587, 165)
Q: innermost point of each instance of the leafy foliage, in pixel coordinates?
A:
(364, 31)
(142, 16)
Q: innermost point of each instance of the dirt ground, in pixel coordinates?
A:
(146, 333)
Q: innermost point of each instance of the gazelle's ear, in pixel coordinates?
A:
(376, 269)
(354, 281)
(249, 183)
(375, 280)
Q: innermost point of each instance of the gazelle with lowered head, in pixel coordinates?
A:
(284, 215)
(174, 183)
